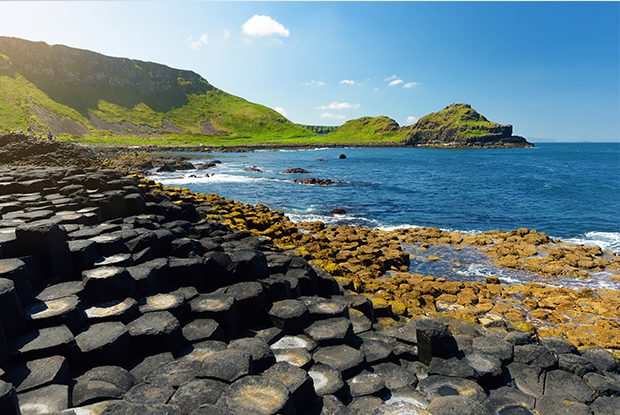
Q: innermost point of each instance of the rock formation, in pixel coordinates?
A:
(459, 124)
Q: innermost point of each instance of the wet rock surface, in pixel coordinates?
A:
(200, 311)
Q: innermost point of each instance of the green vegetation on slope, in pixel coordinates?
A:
(319, 129)
(74, 83)
(18, 97)
(460, 117)
(234, 116)
(368, 129)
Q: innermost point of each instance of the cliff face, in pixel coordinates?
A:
(459, 124)
(70, 76)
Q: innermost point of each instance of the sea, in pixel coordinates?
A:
(570, 191)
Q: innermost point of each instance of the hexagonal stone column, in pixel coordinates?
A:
(106, 343)
(155, 332)
(108, 283)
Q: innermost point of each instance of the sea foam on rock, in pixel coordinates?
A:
(209, 319)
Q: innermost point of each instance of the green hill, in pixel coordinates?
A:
(81, 93)
(367, 129)
(459, 125)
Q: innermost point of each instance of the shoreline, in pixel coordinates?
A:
(237, 148)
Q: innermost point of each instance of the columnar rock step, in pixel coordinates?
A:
(118, 301)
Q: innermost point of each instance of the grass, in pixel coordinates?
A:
(460, 117)
(376, 129)
(18, 96)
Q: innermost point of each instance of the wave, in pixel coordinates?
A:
(479, 272)
(330, 219)
(193, 178)
(606, 240)
(291, 150)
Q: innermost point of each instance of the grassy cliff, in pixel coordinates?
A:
(81, 93)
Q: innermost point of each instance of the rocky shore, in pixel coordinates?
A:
(122, 296)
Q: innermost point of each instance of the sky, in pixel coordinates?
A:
(551, 69)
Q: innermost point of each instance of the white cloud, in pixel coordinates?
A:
(328, 115)
(410, 84)
(396, 82)
(347, 81)
(281, 111)
(313, 83)
(195, 44)
(226, 34)
(390, 78)
(338, 106)
(264, 26)
(411, 119)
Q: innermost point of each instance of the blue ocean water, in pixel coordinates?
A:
(569, 190)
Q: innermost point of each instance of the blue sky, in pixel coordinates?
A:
(551, 69)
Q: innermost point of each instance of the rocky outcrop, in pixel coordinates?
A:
(314, 180)
(23, 149)
(296, 170)
(460, 125)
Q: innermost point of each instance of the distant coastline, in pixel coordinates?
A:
(238, 148)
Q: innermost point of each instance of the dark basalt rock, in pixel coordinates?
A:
(462, 405)
(227, 365)
(38, 373)
(258, 349)
(296, 170)
(289, 315)
(553, 405)
(602, 359)
(175, 373)
(8, 399)
(11, 313)
(575, 364)
(149, 394)
(155, 332)
(314, 180)
(532, 354)
(192, 395)
(258, 394)
(330, 332)
(296, 380)
(433, 339)
(343, 358)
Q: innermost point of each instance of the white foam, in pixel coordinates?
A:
(291, 151)
(331, 219)
(188, 179)
(389, 228)
(606, 240)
